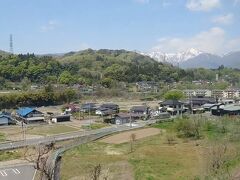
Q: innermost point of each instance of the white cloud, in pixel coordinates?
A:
(214, 41)
(202, 5)
(224, 19)
(51, 25)
(142, 1)
(234, 44)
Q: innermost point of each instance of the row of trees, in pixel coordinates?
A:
(41, 98)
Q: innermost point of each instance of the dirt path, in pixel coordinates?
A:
(125, 137)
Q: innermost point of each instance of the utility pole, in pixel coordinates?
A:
(24, 131)
(79, 116)
(130, 119)
(89, 113)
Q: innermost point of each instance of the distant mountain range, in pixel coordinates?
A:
(193, 58)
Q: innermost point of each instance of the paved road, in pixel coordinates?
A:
(21, 172)
(67, 136)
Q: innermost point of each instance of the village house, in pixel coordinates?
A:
(107, 109)
(230, 109)
(30, 115)
(172, 106)
(197, 92)
(6, 119)
(123, 118)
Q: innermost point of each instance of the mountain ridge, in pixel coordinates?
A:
(193, 58)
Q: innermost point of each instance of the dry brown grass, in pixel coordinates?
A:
(125, 136)
(152, 158)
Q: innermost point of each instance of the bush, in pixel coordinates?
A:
(188, 128)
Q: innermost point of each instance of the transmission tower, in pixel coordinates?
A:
(11, 44)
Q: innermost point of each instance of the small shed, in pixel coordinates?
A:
(61, 118)
(122, 118)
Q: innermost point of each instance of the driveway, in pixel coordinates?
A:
(19, 172)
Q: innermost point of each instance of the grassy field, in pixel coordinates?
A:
(95, 126)
(10, 155)
(2, 137)
(15, 132)
(50, 130)
(186, 149)
(152, 158)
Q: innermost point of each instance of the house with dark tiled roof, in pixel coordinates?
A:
(229, 109)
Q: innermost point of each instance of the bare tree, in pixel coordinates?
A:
(218, 161)
(96, 172)
(132, 140)
(39, 158)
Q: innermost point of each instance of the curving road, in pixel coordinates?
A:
(72, 135)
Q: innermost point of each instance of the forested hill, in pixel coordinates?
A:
(120, 65)
(99, 66)
(3, 53)
(86, 67)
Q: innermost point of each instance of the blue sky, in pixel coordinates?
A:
(56, 26)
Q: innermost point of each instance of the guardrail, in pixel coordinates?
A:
(53, 163)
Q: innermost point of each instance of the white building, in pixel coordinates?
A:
(232, 93)
(197, 92)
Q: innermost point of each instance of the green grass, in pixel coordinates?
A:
(152, 159)
(169, 126)
(50, 130)
(95, 126)
(2, 137)
(9, 155)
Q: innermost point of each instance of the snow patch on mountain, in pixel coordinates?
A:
(173, 58)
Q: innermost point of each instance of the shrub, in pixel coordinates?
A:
(188, 128)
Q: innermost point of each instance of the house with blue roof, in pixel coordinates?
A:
(6, 119)
(30, 115)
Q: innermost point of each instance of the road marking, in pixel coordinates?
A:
(3, 173)
(16, 171)
(34, 174)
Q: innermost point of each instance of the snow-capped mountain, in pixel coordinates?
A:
(174, 58)
(193, 58)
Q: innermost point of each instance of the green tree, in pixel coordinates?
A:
(67, 78)
(174, 94)
(116, 72)
(25, 84)
(107, 82)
